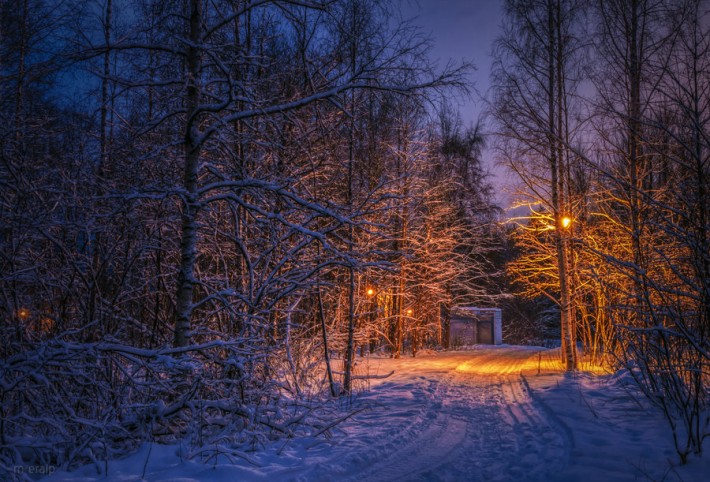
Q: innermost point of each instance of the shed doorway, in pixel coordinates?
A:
(471, 325)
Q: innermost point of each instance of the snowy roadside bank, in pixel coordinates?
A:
(488, 414)
(612, 432)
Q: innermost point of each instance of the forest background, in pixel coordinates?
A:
(210, 210)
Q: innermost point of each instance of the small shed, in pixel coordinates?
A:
(472, 325)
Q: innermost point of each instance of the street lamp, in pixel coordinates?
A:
(373, 317)
(569, 336)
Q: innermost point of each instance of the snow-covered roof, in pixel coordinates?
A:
(475, 308)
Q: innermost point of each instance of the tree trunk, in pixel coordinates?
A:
(191, 150)
(446, 322)
(554, 98)
(567, 309)
(326, 353)
(104, 88)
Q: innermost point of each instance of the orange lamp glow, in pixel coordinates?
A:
(46, 324)
(370, 292)
(566, 222)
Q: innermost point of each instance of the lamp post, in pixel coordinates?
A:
(568, 332)
(373, 313)
(415, 332)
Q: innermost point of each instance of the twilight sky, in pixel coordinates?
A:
(460, 30)
(463, 30)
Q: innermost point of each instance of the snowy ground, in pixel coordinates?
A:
(489, 414)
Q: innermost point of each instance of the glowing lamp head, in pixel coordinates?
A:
(409, 312)
(23, 313)
(370, 292)
(566, 222)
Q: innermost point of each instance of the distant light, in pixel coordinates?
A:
(566, 222)
(409, 312)
(23, 313)
(46, 324)
(370, 292)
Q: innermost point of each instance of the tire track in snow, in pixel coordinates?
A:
(434, 447)
(436, 439)
(479, 423)
(542, 446)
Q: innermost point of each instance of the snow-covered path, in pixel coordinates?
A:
(472, 420)
(489, 414)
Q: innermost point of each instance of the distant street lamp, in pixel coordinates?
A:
(569, 336)
(372, 340)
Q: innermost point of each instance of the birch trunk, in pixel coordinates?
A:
(191, 150)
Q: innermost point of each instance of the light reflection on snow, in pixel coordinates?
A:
(463, 415)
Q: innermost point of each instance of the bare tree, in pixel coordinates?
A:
(535, 80)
